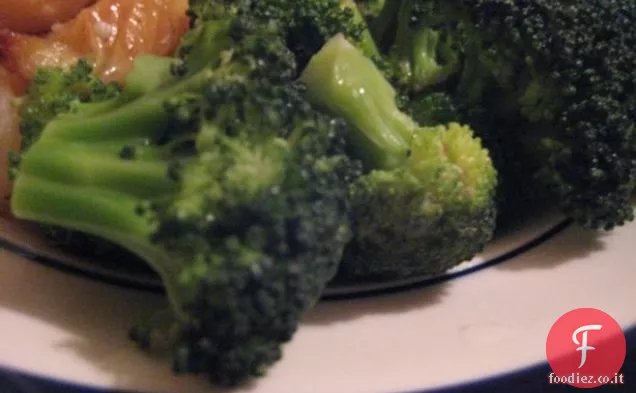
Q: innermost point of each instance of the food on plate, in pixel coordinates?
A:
(428, 191)
(214, 170)
(109, 34)
(37, 16)
(547, 85)
(285, 144)
(55, 90)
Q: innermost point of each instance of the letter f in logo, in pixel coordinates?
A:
(583, 344)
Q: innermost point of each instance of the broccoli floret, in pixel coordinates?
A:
(433, 108)
(517, 186)
(426, 201)
(422, 54)
(225, 180)
(56, 90)
(556, 78)
(305, 25)
(370, 9)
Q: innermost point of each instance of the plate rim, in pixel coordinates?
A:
(554, 226)
(459, 386)
(482, 384)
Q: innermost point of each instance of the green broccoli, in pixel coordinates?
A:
(548, 85)
(430, 109)
(223, 178)
(370, 9)
(51, 92)
(56, 90)
(290, 142)
(426, 201)
(380, 16)
(422, 56)
(305, 24)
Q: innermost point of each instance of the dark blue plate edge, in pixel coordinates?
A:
(348, 295)
(535, 378)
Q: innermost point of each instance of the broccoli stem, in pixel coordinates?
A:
(148, 73)
(212, 39)
(424, 56)
(426, 71)
(370, 9)
(89, 208)
(74, 176)
(143, 117)
(366, 42)
(383, 25)
(102, 212)
(340, 78)
(100, 202)
(58, 161)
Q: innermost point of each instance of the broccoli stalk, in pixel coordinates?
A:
(423, 55)
(100, 195)
(56, 90)
(370, 9)
(385, 136)
(366, 43)
(381, 19)
(224, 180)
(426, 202)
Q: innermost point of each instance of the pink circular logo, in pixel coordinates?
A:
(586, 349)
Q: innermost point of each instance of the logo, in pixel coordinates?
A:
(585, 348)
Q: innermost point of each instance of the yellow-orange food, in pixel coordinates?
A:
(21, 55)
(37, 16)
(110, 33)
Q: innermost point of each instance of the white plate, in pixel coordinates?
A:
(67, 321)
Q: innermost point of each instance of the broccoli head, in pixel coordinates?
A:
(224, 179)
(554, 83)
(57, 90)
(422, 54)
(370, 9)
(429, 109)
(426, 201)
(305, 26)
